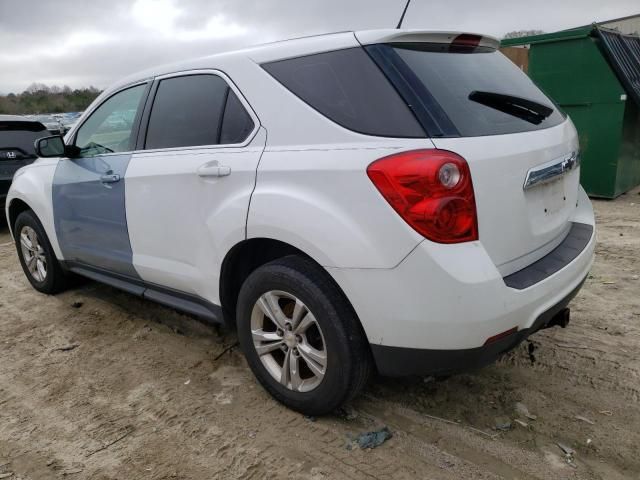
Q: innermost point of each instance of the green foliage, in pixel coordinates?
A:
(40, 98)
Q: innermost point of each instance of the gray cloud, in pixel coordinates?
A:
(81, 43)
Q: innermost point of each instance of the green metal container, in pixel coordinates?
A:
(573, 68)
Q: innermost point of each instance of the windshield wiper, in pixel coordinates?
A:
(528, 110)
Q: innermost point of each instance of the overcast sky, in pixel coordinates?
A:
(83, 42)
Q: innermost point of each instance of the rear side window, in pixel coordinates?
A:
(236, 124)
(17, 139)
(480, 91)
(348, 88)
(196, 110)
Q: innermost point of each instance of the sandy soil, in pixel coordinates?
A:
(146, 393)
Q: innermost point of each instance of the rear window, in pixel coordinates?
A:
(347, 87)
(19, 137)
(480, 91)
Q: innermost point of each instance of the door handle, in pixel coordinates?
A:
(214, 169)
(110, 178)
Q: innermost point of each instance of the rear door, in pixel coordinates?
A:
(189, 186)
(89, 191)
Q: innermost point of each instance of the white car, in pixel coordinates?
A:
(392, 200)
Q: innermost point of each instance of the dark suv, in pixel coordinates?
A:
(17, 137)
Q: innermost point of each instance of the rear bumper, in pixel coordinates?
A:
(398, 361)
(434, 312)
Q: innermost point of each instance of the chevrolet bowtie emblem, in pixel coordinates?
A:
(550, 171)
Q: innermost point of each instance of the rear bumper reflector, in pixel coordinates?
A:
(500, 336)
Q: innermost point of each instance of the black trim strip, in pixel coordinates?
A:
(128, 285)
(572, 246)
(222, 114)
(184, 302)
(424, 106)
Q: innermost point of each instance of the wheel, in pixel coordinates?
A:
(301, 337)
(36, 256)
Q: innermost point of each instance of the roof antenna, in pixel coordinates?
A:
(403, 13)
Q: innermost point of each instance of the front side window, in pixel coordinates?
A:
(196, 110)
(109, 128)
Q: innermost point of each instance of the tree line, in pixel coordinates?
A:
(41, 98)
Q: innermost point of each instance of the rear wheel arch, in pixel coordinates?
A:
(242, 259)
(247, 256)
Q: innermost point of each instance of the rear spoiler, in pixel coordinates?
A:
(369, 37)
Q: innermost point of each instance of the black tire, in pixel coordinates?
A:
(348, 358)
(55, 280)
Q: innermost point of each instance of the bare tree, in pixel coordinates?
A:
(37, 87)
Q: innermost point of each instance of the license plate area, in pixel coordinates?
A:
(553, 196)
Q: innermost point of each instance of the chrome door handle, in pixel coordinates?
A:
(110, 178)
(213, 169)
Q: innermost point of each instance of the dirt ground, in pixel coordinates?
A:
(148, 393)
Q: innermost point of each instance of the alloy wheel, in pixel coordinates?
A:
(289, 341)
(33, 254)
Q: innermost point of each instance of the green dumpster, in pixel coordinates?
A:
(594, 75)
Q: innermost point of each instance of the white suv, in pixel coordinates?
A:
(391, 200)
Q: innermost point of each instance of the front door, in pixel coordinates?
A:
(89, 191)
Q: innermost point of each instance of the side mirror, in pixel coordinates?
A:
(54, 146)
(50, 147)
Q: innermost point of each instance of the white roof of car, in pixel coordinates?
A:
(284, 49)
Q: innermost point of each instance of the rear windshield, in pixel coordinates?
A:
(347, 87)
(20, 136)
(479, 91)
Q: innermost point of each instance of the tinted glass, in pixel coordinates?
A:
(17, 139)
(237, 124)
(451, 78)
(109, 128)
(187, 111)
(347, 87)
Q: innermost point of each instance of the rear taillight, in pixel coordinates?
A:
(432, 191)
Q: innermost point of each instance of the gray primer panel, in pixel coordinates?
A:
(89, 215)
